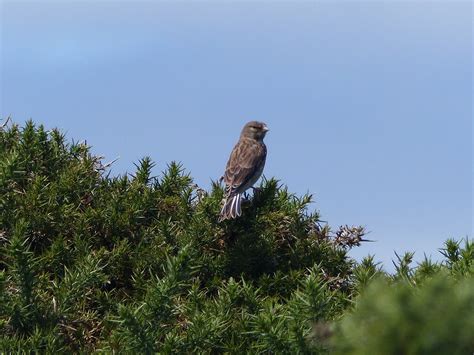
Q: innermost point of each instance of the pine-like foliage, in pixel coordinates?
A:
(428, 309)
(139, 264)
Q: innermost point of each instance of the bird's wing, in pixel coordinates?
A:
(245, 162)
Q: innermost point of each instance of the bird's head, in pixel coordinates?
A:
(255, 130)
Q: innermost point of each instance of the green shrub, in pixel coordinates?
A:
(428, 309)
(139, 264)
(436, 318)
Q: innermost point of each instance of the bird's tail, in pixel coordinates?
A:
(232, 207)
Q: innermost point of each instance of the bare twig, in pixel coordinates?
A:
(348, 237)
(105, 166)
(2, 126)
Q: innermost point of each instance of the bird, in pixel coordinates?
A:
(244, 167)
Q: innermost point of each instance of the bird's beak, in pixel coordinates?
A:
(265, 129)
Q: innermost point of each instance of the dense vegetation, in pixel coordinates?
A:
(137, 263)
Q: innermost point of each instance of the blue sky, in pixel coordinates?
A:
(369, 103)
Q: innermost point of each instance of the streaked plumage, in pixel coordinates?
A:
(244, 168)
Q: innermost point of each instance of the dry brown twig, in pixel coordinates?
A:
(3, 125)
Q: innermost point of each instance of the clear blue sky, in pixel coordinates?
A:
(369, 103)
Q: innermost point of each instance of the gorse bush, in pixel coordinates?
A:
(137, 263)
(437, 318)
(424, 310)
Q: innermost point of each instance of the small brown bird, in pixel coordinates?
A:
(244, 167)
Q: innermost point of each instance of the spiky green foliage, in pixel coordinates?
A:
(139, 264)
(426, 309)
